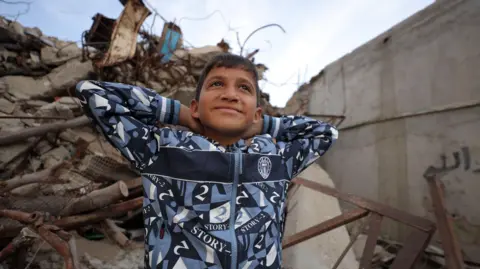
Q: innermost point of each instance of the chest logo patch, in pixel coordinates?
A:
(264, 167)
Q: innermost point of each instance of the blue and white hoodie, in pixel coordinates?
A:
(205, 205)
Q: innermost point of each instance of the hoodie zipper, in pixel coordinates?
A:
(238, 170)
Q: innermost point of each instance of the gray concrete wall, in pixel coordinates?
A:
(411, 96)
(307, 208)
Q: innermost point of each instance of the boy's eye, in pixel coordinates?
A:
(245, 87)
(216, 84)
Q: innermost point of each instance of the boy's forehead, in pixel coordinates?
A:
(230, 73)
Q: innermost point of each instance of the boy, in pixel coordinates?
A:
(212, 200)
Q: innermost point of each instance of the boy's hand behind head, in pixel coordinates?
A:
(255, 129)
(195, 126)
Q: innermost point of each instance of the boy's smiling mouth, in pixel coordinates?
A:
(227, 109)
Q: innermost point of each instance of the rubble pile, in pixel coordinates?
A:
(57, 174)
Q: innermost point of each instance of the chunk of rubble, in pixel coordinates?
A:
(55, 109)
(6, 106)
(23, 87)
(68, 75)
(56, 57)
(55, 156)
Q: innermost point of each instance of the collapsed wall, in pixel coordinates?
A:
(411, 101)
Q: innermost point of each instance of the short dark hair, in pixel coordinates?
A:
(228, 60)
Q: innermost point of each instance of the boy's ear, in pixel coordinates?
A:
(258, 115)
(194, 108)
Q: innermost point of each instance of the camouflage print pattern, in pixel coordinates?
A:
(205, 205)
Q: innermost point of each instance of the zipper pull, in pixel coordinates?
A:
(241, 164)
(162, 230)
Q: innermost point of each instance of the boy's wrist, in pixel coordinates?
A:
(168, 110)
(272, 126)
(184, 117)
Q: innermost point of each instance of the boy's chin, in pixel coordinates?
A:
(229, 129)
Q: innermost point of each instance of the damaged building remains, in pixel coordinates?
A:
(68, 199)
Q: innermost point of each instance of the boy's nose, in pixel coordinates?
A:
(230, 94)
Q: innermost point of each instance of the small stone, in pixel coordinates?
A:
(163, 75)
(6, 106)
(139, 83)
(55, 157)
(178, 72)
(17, 28)
(158, 87)
(35, 58)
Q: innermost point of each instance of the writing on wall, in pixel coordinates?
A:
(460, 159)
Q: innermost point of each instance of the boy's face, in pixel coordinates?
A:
(228, 102)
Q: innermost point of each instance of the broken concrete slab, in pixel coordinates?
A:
(35, 31)
(42, 147)
(163, 75)
(6, 106)
(68, 75)
(55, 109)
(54, 56)
(71, 102)
(55, 156)
(156, 86)
(17, 28)
(23, 87)
(205, 52)
(178, 72)
(10, 125)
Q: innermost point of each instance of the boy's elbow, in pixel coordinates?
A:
(327, 130)
(81, 86)
(334, 133)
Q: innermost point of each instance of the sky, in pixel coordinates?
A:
(317, 32)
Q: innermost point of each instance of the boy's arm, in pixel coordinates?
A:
(301, 139)
(127, 115)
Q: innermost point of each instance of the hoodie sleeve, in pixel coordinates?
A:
(301, 140)
(126, 115)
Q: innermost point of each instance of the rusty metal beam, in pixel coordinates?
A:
(453, 253)
(353, 238)
(324, 227)
(410, 253)
(374, 225)
(123, 41)
(387, 211)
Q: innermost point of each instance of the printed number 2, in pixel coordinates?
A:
(145, 135)
(220, 217)
(170, 193)
(272, 198)
(238, 221)
(242, 195)
(260, 241)
(183, 246)
(205, 190)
